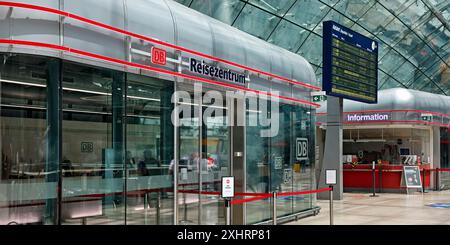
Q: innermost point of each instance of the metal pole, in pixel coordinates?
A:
(176, 157)
(435, 180)
(184, 205)
(145, 207)
(274, 211)
(438, 185)
(228, 208)
(158, 208)
(331, 206)
(373, 180)
(424, 190)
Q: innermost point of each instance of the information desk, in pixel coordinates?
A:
(359, 177)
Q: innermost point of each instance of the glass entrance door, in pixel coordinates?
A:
(204, 158)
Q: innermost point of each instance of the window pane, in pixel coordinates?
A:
(397, 6)
(92, 145)
(278, 7)
(404, 72)
(354, 8)
(390, 83)
(376, 19)
(389, 62)
(393, 32)
(288, 36)
(336, 17)
(256, 22)
(224, 10)
(307, 13)
(257, 163)
(149, 151)
(27, 187)
(311, 49)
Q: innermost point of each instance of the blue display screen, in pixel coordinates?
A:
(350, 64)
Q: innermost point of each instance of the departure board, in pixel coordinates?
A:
(350, 64)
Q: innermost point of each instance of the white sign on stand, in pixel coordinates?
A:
(227, 187)
(330, 176)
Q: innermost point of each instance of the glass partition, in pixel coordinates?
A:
(149, 151)
(272, 164)
(27, 184)
(394, 146)
(92, 143)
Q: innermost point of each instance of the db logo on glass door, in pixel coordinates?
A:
(302, 148)
(158, 56)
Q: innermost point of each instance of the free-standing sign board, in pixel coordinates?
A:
(330, 177)
(411, 177)
(227, 187)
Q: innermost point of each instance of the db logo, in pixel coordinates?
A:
(158, 56)
(228, 181)
(302, 148)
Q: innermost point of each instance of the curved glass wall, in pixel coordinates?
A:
(413, 33)
(88, 145)
(27, 181)
(272, 164)
(76, 136)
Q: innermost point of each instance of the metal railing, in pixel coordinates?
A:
(275, 195)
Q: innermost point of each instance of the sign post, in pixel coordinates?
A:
(373, 180)
(350, 64)
(228, 193)
(350, 71)
(330, 180)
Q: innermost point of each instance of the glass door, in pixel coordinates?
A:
(203, 140)
(215, 150)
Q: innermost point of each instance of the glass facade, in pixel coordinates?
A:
(103, 138)
(390, 145)
(89, 145)
(272, 165)
(445, 148)
(28, 184)
(413, 33)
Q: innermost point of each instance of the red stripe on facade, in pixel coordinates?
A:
(145, 67)
(391, 110)
(152, 40)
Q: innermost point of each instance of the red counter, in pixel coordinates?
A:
(359, 177)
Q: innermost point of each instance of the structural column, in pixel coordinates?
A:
(114, 159)
(436, 152)
(236, 110)
(332, 158)
(52, 213)
(166, 144)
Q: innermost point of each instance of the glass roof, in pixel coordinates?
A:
(414, 35)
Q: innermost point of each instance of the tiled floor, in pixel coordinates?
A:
(386, 209)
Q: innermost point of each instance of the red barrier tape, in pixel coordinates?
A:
(203, 183)
(435, 169)
(266, 195)
(200, 192)
(250, 194)
(252, 199)
(303, 192)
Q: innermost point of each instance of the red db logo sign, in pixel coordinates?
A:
(158, 56)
